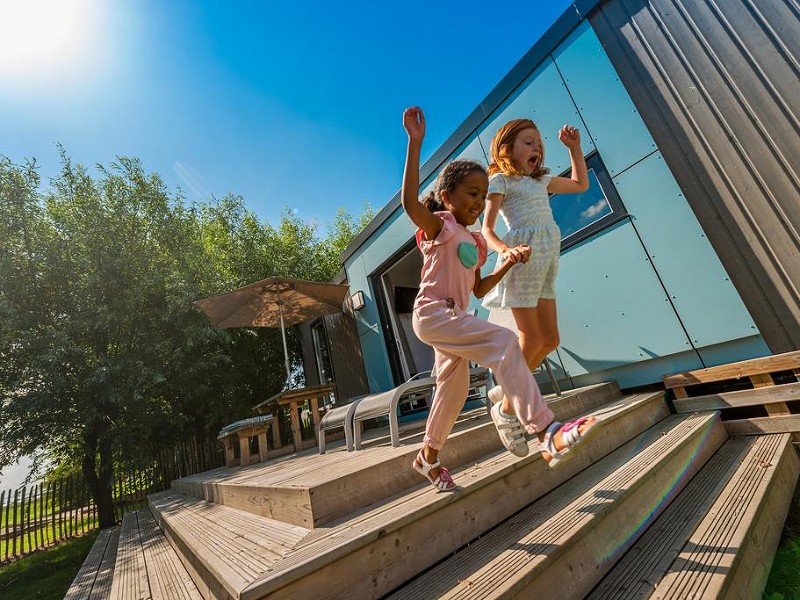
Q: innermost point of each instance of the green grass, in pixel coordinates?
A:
(784, 579)
(46, 532)
(45, 575)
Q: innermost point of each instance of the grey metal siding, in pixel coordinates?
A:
(718, 85)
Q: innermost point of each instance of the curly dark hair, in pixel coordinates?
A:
(448, 180)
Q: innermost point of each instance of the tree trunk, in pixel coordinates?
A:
(98, 441)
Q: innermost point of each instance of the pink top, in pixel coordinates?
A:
(445, 273)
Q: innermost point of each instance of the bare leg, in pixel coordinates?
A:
(538, 336)
(431, 456)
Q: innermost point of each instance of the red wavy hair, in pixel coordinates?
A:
(502, 145)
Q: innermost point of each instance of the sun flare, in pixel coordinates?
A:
(39, 36)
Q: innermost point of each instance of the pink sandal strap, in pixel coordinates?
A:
(443, 482)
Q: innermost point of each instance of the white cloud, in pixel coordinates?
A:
(595, 209)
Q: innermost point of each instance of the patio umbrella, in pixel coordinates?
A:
(274, 302)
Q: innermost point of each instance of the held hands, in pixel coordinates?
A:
(517, 254)
(414, 123)
(570, 136)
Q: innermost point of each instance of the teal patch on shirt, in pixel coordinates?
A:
(468, 254)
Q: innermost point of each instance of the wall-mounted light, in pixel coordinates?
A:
(358, 300)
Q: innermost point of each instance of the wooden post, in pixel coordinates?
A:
(765, 380)
(276, 429)
(26, 518)
(263, 453)
(8, 523)
(51, 497)
(244, 449)
(228, 444)
(315, 417)
(42, 522)
(297, 438)
(14, 525)
(3, 523)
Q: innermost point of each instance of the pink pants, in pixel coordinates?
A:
(462, 338)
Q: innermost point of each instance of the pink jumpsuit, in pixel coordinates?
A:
(440, 320)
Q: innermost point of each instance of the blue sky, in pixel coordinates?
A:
(290, 104)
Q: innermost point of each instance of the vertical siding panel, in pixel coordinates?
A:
(717, 84)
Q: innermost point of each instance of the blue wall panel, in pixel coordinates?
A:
(643, 298)
(610, 118)
(543, 97)
(704, 297)
(612, 310)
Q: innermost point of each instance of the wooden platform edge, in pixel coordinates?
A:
(747, 368)
(93, 580)
(751, 397)
(582, 523)
(673, 547)
(764, 425)
(752, 566)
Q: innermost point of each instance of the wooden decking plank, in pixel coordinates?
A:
(130, 572)
(167, 577)
(749, 397)
(764, 425)
(94, 577)
(707, 564)
(371, 543)
(266, 536)
(758, 366)
(220, 545)
(637, 574)
(410, 503)
(503, 562)
(233, 547)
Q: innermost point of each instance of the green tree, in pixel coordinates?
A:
(104, 357)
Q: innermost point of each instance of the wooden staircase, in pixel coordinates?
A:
(652, 501)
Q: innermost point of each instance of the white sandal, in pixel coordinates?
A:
(570, 435)
(443, 482)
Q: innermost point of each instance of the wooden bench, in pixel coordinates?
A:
(759, 373)
(93, 581)
(386, 403)
(238, 434)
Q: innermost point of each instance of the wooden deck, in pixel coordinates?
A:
(93, 581)
(363, 524)
(309, 490)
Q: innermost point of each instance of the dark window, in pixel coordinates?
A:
(321, 352)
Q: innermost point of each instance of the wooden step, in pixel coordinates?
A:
(311, 490)
(93, 581)
(718, 538)
(562, 545)
(147, 566)
(369, 553)
(223, 548)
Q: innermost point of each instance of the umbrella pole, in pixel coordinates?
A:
(285, 350)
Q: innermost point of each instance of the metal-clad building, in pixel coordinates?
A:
(684, 252)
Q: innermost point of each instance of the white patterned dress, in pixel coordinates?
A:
(526, 212)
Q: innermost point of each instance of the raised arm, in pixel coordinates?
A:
(429, 223)
(578, 181)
